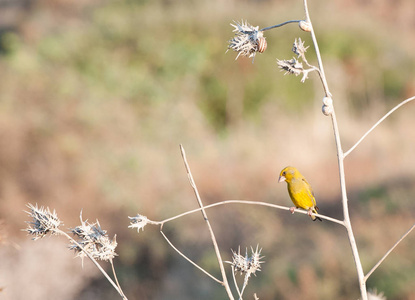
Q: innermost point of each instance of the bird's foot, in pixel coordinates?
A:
(292, 209)
(309, 212)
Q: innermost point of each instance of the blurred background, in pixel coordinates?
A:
(96, 96)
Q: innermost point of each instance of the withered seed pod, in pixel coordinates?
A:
(262, 44)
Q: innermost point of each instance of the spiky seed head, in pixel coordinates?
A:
(248, 40)
(43, 221)
(94, 240)
(139, 221)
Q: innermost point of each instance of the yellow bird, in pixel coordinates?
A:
(300, 191)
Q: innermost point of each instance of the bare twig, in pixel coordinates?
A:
(236, 283)
(320, 61)
(116, 278)
(189, 260)
(377, 123)
(387, 253)
(248, 203)
(279, 25)
(212, 235)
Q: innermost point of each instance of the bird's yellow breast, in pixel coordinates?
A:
(301, 196)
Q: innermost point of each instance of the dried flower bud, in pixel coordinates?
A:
(94, 240)
(298, 48)
(139, 221)
(374, 295)
(305, 26)
(292, 66)
(246, 264)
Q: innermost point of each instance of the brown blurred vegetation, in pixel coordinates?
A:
(96, 96)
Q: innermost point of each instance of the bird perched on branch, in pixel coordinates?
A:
(300, 191)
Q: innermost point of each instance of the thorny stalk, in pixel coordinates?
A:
(94, 261)
(44, 222)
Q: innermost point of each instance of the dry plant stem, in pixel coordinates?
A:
(116, 278)
(347, 223)
(377, 123)
(189, 260)
(96, 264)
(212, 235)
(279, 25)
(319, 60)
(387, 253)
(340, 158)
(248, 203)
(236, 283)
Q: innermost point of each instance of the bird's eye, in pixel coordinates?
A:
(283, 173)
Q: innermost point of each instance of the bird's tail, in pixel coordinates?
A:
(315, 217)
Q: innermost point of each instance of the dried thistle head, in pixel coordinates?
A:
(373, 295)
(94, 240)
(292, 66)
(44, 221)
(248, 40)
(299, 49)
(139, 221)
(247, 265)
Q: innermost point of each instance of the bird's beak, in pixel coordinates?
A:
(281, 179)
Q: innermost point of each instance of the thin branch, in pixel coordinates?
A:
(377, 123)
(236, 283)
(115, 276)
(248, 203)
(320, 61)
(279, 25)
(192, 182)
(189, 260)
(387, 253)
(212, 235)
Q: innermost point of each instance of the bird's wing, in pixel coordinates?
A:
(310, 191)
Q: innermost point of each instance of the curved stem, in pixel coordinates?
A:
(248, 203)
(116, 278)
(279, 25)
(189, 260)
(377, 123)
